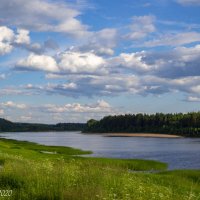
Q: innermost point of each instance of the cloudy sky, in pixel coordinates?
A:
(72, 60)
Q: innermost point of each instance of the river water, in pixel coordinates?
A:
(179, 153)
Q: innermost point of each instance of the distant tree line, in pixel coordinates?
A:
(179, 123)
(8, 126)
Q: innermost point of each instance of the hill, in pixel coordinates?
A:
(8, 126)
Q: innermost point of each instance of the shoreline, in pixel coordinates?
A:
(149, 135)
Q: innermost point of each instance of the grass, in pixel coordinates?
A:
(32, 174)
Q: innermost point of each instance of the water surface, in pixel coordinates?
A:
(179, 153)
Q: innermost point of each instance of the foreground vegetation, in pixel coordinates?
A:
(182, 124)
(40, 172)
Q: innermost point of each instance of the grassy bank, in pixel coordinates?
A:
(34, 171)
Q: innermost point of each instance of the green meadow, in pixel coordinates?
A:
(38, 172)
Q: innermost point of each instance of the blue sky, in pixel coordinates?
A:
(70, 61)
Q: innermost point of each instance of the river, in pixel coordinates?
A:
(179, 153)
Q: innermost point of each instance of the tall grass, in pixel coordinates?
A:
(60, 177)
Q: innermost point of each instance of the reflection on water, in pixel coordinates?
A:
(179, 153)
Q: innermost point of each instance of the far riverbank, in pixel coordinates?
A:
(151, 135)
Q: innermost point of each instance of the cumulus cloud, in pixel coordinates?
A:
(6, 38)
(65, 62)
(132, 73)
(43, 15)
(141, 26)
(101, 106)
(23, 40)
(52, 113)
(77, 112)
(10, 39)
(114, 85)
(160, 85)
(101, 42)
(5, 48)
(134, 61)
(77, 62)
(179, 62)
(38, 48)
(22, 37)
(38, 62)
(6, 34)
(106, 85)
(65, 89)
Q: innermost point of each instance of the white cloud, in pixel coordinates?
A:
(69, 86)
(175, 70)
(55, 76)
(38, 62)
(100, 42)
(11, 91)
(6, 34)
(141, 26)
(103, 104)
(6, 37)
(22, 37)
(55, 113)
(77, 62)
(103, 41)
(193, 99)
(65, 62)
(86, 85)
(132, 60)
(100, 107)
(178, 62)
(114, 85)
(41, 15)
(68, 89)
(186, 81)
(5, 48)
(176, 39)
(71, 26)
(189, 2)
(10, 104)
(19, 39)
(196, 89)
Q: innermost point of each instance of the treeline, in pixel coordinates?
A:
(8, 126)
(179, 123)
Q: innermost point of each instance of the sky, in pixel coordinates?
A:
(73, 60)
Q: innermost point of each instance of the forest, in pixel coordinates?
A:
(187, 124)
(8, 126)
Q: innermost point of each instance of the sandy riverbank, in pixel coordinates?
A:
(152, 135)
